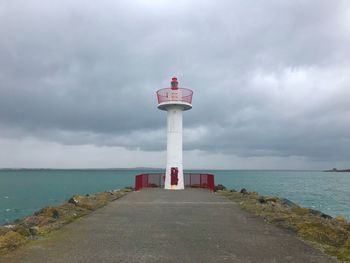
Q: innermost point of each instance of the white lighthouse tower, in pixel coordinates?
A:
(174, 100)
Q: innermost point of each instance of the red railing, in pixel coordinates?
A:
(180, 94)
(190, 180)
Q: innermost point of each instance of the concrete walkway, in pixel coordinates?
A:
(155, 225)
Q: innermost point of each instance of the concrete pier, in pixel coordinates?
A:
(156, 225)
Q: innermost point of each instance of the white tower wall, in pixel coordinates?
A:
(174, 146)
(174, 100)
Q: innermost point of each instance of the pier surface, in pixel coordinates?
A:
(156, 225)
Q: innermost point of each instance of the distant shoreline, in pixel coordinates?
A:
(338, 171)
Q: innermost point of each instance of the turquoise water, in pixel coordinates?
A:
(23, 192)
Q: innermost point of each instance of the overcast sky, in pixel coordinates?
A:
(271, 82)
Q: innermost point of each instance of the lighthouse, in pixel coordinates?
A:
(174, 100)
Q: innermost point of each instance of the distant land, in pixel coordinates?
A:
(338, 170)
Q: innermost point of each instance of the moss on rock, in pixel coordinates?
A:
(10, 240)
(323, 233)
(54, 217)
(332, 235)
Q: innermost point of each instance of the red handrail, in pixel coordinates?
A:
(180, 94)
(196, 180)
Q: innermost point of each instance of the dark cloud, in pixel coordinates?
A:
(270, 78)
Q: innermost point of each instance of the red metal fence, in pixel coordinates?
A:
(180, 94)
(190, 180)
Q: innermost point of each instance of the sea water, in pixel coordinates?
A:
(22, 192)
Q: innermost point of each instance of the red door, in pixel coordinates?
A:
(174, 176)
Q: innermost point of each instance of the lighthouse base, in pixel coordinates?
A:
(174, 178)
(194, 180)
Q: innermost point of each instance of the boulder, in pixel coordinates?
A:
(287, 202)
(341, 219)
(22, 230)
(219, 187)
(73, 200)
(323, 233)
(243, 191)
(319, 213)
(271, 199)
(10, 241)
(49, 211)
(128, 189)
(262, 200)
(34, 230)
(51, 218)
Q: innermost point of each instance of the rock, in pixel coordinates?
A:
(262, 200)
(3, 230)
(55, 214)
(92, 202)
(10, 241)
(128, 188)
(73, 201)
(340, 219)
(34, 230)
(17, 220)
(243, 191)
(233, 191)
(300, 211)
(31, 221)
(287, 202)
(323, 233)
(9, 226)
(51, 218)
(271, 199)
(22, 230)
(49, 211)
(319, 213)
(219, 187)
(331, 235)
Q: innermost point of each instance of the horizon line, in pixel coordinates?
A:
(157, 168)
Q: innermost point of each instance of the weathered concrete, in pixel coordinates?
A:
(156, 225)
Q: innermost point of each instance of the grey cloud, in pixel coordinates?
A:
(269, 77)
